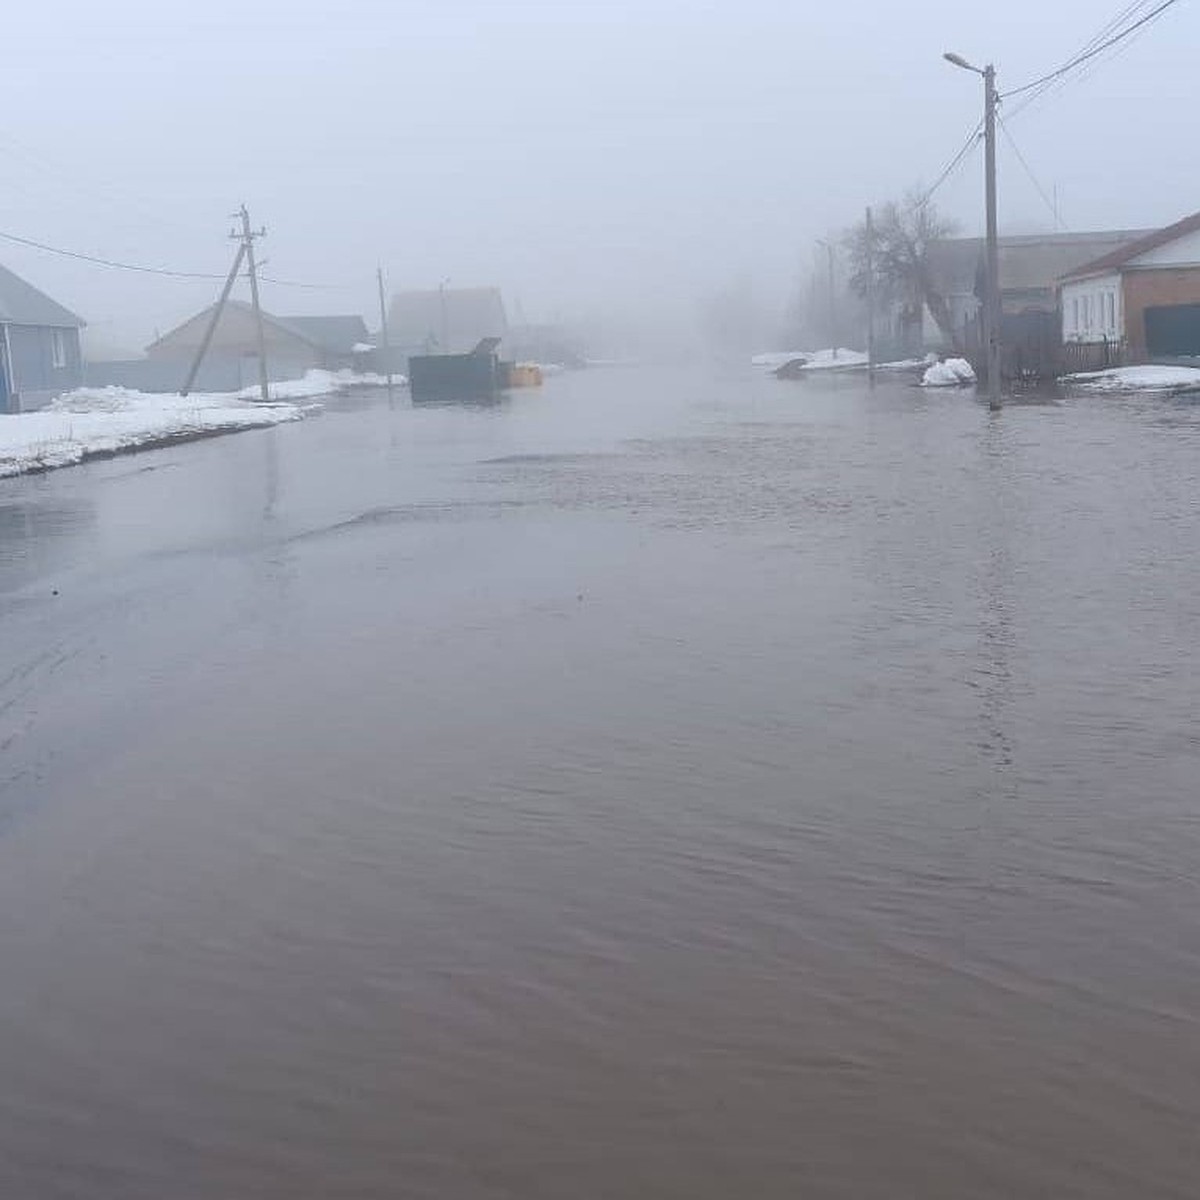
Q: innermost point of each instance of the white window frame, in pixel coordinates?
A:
(58, 349)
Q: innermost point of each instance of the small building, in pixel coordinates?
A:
(445, 320)
(39, 346)
(1143, 297)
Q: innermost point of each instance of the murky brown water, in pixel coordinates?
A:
(664, 785)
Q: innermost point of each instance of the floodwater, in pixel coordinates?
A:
(665, 784)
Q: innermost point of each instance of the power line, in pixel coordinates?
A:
(1032, 177)
(953, 164)
(141, 268)
(1091, 53)
(106, 262)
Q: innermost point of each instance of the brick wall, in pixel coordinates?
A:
(1150, 289)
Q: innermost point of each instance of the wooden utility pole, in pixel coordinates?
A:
(212, 324)
(247, 237)
(870, 232)
(992, 301)
(383, 331)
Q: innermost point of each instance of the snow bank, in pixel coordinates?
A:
(811, 360)
(952, 372)
(318, 382)
(100, 421)
(1137, 379)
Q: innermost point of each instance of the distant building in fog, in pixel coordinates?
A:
(445, 320)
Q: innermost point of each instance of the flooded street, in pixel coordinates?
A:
(662, 784)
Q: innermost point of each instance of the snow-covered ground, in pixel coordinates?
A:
(318, 382)
(1137, 379)
(98, 421)
(814, 360)
(951, 372)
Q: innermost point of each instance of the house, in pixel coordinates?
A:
(445, 320)
(342, 340)
(1144, 295)
(39, 346)
(293, 345)
(1030, 267)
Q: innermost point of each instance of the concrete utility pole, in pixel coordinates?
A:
(247, 237)
(218, 308)
(992, 308)
(870, 265)
(383, 331)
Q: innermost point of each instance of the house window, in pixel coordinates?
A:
(1075, 316)
(1110, 316)
(58, 349)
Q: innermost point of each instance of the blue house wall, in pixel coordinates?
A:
(33, 379)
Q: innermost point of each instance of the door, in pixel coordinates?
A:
(1173, 331)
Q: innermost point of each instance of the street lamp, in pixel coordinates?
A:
(991, 298)
(833, 329)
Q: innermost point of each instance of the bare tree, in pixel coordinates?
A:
(899, 250)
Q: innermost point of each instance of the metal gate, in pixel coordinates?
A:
(1173, 331)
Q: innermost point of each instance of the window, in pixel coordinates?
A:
(1110, 317)
(1075, 316)
(58, 349)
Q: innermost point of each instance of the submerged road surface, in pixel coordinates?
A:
(660, 785)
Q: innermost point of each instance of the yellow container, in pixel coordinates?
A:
(525, 375)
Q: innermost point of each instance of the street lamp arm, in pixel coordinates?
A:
(959, 61)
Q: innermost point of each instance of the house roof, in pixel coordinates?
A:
(198, 321)
(334, 334)
(1028, 263)
(459, 316)
(22, 304)
(1143, 244)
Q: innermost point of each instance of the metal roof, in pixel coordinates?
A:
(22, 304)
(1028, 263)
(335, 334)
(1146, 241)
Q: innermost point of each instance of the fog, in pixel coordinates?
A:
(626, 158)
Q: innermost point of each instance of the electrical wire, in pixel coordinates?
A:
(106, 262)
(949, 169)
(1032, 177)
(1094, 50)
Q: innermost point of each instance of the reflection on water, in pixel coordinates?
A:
(658, 786)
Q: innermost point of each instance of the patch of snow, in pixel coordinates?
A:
(1137, 379)
(361, 348)
(951, 372)
(109, 420)
(319, 382)
(834, 360)
(776, 358)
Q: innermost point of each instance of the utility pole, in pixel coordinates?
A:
(247, 238)
(218, 308)
(870, 264)
(383, 330)
(992, 308)
(992, 300)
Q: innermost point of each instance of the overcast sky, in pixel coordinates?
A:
(580, 154)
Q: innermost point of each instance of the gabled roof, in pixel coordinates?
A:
(1028, 262)
(22, 304)
(335, 334)
(1136, 248)
(200, 321)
